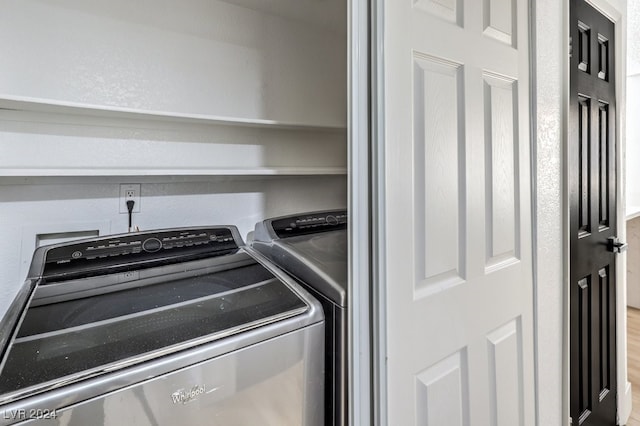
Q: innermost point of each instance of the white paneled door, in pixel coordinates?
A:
(456, 245)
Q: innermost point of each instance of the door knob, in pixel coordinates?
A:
(615, 246)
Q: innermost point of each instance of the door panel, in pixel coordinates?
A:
(458, 221)
(438, 109)
(592, 204)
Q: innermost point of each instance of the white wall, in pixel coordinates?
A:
(633, 107)
(633, 155)
(549, 39)
(181, 56)
(633, 140)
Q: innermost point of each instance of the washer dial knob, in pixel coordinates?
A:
(151, 245)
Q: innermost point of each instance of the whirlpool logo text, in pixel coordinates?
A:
(183, 396)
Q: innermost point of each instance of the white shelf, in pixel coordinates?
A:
(272, 171)
(24, 104)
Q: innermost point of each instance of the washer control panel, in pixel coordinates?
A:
(310, 223)
(139, 247)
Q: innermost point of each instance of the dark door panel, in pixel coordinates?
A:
(592, 198)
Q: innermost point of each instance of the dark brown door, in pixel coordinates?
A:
(592, 195)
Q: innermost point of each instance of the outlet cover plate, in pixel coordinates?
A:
(129, 191)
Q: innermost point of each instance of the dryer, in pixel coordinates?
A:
(312, 247)
(177, 326)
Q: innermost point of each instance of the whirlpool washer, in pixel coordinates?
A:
(312, 247)
(179, 326)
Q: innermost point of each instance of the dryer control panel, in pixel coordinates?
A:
(310, 223)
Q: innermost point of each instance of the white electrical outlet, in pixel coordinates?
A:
(129, 191)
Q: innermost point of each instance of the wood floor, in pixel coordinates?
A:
(633, 359)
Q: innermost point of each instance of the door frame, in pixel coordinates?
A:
(615, 10)
(359, 323)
